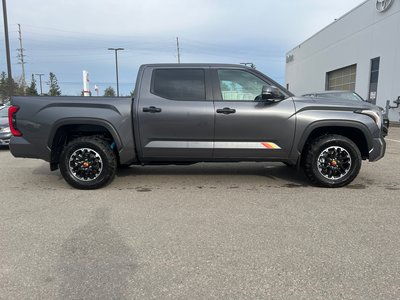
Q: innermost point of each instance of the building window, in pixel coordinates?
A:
(343, 79)
(373, 80)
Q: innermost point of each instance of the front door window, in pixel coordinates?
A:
(238, 85)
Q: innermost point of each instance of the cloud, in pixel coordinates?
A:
(67, 36)
(203, 18)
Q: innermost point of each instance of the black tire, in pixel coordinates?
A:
(88, 163)
(332, 161)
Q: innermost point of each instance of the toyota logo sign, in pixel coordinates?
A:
(383, 5)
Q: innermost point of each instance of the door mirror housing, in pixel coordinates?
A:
(270, 93)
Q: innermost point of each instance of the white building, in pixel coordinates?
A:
(359, 51)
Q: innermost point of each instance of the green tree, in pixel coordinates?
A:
(20, 87)
(109, 92)
(54, 87)
(4, 86)
(31, 90)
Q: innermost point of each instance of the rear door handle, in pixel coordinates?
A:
(226, 111)
(151, 109)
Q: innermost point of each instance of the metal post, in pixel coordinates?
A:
(10, 86)
(178, 50)
(116, 71)
(21, 56)
(116, 65)
(40, 80)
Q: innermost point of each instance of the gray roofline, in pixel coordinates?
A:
(318, 32)
(196, 65)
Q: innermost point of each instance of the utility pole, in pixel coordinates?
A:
(10, 86)
(178, 50)
(21, 57)
(40, 80)
(116, 65)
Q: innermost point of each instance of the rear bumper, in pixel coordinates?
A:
(378, 149)
(20, 147)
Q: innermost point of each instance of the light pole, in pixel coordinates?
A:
(116, 65)
(40, 80)
(10, 85)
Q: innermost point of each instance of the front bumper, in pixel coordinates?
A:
(378, 149)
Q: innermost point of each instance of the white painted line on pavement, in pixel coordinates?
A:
(393, 140)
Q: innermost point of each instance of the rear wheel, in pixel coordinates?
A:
(88, 163)
(332, 161)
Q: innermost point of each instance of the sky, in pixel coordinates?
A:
(68, 36)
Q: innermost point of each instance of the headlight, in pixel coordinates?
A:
(383, 110)
(376, 115)
(5, 130)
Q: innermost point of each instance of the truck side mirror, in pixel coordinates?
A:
(270, 92)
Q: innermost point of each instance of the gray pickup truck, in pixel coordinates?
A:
(188, 113)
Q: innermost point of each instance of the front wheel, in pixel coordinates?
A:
(332, 161)
(88, 163)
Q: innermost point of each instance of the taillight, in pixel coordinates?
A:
(13, 121)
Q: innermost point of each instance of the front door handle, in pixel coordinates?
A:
(151, 109)
(226, 111)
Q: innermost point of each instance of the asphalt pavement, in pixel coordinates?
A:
(206, 231)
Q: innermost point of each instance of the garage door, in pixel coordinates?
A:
(342, 79)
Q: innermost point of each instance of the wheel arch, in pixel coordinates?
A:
(64, 129)
(355, 131)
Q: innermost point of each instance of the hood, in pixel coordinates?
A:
(332, 103)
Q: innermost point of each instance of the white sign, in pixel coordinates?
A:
(383, 5)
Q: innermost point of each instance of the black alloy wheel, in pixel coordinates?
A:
(332, 161)
(88, 163)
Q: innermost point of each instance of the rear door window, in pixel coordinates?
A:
(179, 84)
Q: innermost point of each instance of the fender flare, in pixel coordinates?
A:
(334, 123)
(85, 121)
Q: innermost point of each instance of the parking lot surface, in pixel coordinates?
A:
(236, 231)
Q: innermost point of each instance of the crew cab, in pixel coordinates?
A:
(189, 113)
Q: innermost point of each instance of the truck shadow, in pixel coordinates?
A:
(95, 262)
(272, 171)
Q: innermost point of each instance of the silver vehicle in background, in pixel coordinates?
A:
(5, 132)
